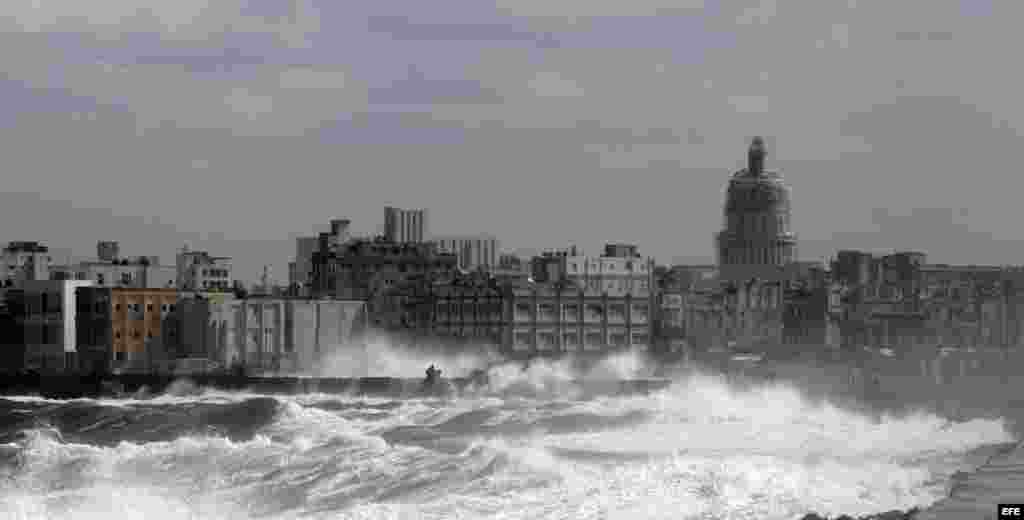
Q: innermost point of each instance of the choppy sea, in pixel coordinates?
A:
(525, 446)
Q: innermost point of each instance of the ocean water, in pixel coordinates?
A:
(529, 445)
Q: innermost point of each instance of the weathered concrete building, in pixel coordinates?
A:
(361, 269)
(263, 334)
(25, 261)
(473, 253)
(200, 271)
(108, 269)
(556, 319)
(42, 317)
(619, 271)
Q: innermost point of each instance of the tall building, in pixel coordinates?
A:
(198, 271)
(405, 225)
(756, 241)
(25, 261)
(472, 252)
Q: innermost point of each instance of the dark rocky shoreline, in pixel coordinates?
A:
(888, 515)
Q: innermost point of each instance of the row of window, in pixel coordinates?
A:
(621, 284)
(215, 285)
(744, 223)
(222, 273)
(627, 266)
(135, 334)
(571, 311)
(137, 307)
(569, 340)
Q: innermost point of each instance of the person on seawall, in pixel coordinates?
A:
(433, 374)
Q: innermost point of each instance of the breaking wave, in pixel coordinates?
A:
(525, 446)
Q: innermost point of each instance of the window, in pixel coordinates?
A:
(570, 340)
(572, 312)
(617, 339)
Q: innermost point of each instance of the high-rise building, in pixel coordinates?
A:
(473, 252)
(756, 241)
(405, 225)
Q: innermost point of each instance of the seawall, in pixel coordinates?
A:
(74, 386)
(976, 494)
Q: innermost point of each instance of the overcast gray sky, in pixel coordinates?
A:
(544, 122)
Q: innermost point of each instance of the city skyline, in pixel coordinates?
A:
(544, 124)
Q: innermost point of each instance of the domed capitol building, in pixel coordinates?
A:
(756, 241)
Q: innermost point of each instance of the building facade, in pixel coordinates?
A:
(511, 269)
(472, 252)
(551, 320)
(43, 316)
(363, 268)
(900, 301)
(756, 240)
(300, 269)
(25, 261)
(199, 271)
(619, 271)
(269, 335)
(127, 330)
(138, 273)
(405, 225)
(466, 310)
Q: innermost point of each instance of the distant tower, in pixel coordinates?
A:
(405, 225)
(265, 279)
(756, 240)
